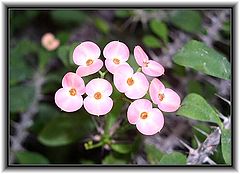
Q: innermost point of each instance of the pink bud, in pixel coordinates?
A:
(148, 120)
(69, 98)
(149, 67)
(49, 42)
(166, 99)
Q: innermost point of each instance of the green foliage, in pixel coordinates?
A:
(27, 157)
(226, 145)
(44, 57)
(21, 97)
(63, 52)
(67, 17)
(200, 57)
(205, 128)
(63, 37)
(122, 148)
(65, 129)
(102, 25)
(132, 62)
(151, 41)
(123, 13)
(111, 159)
(160, 29)
(174, 158)
(153, 154)
(187, 20)
(19, 69)
(196, 107)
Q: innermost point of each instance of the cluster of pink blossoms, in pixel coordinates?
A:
(134, 85)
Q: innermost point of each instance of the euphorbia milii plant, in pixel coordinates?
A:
(134, 86)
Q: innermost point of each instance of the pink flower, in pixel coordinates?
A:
(166, 99)
(49, 42)
(134, 85)
(87, 56)
(69, 97)
(116, 54)
(149, 67)
(98, 101)
(148, 120)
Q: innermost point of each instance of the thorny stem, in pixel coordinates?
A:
(26, 118)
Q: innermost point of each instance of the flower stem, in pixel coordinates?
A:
(139, 69)
(102, 74)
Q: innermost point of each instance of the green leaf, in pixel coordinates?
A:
(151, 41)
(70, 56)
(123, 13)
(44, 57)
(102, 25)
(65, 129)
(226, 145)
(21, 97)
(63, 37)
(174, 158)
(67, 17)
(200, 57)
(153, 154)
(26, 157)
(110, 159)
(122, 148)
(196, 107)
(160, 29)
(63, 53)
(187, 20)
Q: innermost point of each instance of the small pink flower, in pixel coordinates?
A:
(69, 98)
(149, 67)
(49, 42)
(148, 120)
(116, 54)
(98, 101)
(134, 85)
(86, 55)
(166, 99)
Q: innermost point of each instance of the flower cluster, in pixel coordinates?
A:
(134, 85)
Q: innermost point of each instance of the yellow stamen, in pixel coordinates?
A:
(130, 81)
(161, 96)
(89, 62)
(144, 115)
(116, 61)
(73, 92)
(97, 95)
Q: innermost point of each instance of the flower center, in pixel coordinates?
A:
(97, 95)
(73, 92)
(130, 81)
(144, 115)
(161, 96)
(116, 61)
(145, 63)
(89, 62)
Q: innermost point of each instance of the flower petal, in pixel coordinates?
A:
(98, 107)
(139, 87)
(153, 69)
(136, 108)
(152, 124)
(116, 49)
(72, 80)
(66, 102)
(85, 51)
(171, 101)
(156, 87)
(111, 66)
(91, 69)
(140, 56)
(121, 74)
(99, 85)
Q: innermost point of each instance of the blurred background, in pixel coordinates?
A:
(41, 134)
